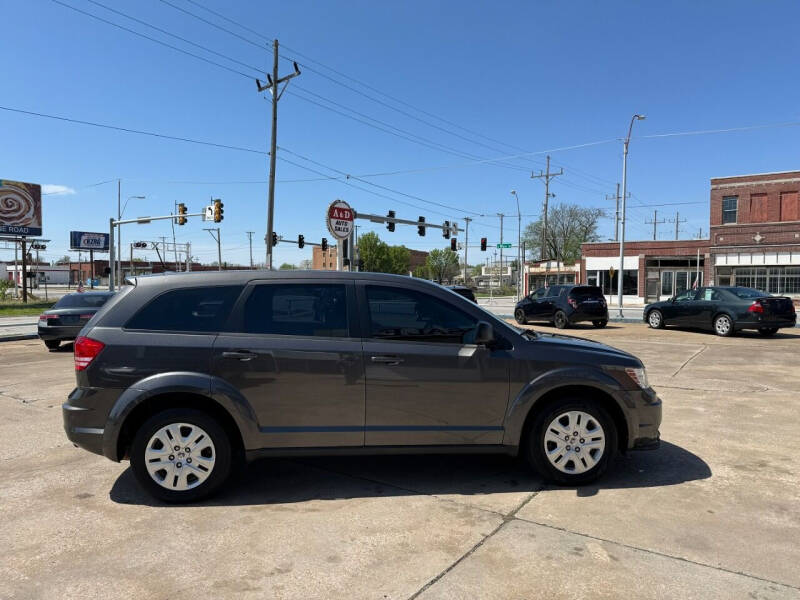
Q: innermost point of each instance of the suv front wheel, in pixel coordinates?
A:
(181, 455)
(572, 442)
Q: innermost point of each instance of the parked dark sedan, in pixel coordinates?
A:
(68, 316)
(723, 309)
(463, 291)
(563, 305)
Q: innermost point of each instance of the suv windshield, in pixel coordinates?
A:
(82, 301)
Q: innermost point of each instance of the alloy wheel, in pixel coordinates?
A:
(722, 325)
(180, 456)
(654, 319)
(574, 442)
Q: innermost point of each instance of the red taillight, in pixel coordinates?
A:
(85, 351)
(756, 307)
(572, 302)
(47, 317)
(87, 316)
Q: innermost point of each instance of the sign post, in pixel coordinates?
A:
(340, 219)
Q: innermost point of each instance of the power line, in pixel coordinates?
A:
(129, 130)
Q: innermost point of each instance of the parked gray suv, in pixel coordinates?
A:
(186, 374)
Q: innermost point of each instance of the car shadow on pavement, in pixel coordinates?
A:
(286, 481)
(741, 333)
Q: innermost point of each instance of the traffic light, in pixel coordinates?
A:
(453, 244)
(483, 244)
(446, 230)
(324, 244)
(390, 224)
(421, 228)
(140, 244)
(218, 205)
(301, 240)
(182, 212)
(360, 264)
(274, 239)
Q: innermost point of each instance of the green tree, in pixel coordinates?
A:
(380, 257)
(287, 267)
(568, 226)
(422, 272)
(442, 264)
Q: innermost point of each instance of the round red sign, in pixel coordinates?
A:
(340, 219)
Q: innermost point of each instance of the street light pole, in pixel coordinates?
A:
(519, 247)
(120, 212)
(621, 273)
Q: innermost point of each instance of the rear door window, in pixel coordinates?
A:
(202, 309)
(301, 309)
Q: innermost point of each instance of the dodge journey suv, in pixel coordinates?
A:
(186, 374)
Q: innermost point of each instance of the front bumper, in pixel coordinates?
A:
(645, 420)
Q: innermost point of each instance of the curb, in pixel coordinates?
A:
(17, 338)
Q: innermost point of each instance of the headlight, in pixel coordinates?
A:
(639, 376)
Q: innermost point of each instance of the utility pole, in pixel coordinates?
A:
(217, 239)
(547, 176)
(500, 280)
(174, 245)
(655, 223)
(24, 272)
(119, 233)
(273, 81)
(250, 238)
(616, 214)
(621, 276)
(677, 220)
(466, 245)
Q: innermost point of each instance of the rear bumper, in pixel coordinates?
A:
(59, 332)
(85, 415)
(767, 323)
(579, 316)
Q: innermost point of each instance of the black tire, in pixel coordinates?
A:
(723, 326)
(655, 320)
(222, 454)
(768, 331)
(534, 444)
(600, 324)
(560, 320)
(519, 317)
(52, 344)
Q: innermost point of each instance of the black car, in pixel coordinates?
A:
(723, 309)
(463, 291)
(563, 305)
(64, 321)
(187, 374)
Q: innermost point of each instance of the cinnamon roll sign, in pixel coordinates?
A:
(20, 208)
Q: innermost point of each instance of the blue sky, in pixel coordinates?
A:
(531, 76)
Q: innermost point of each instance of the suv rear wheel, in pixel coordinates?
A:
(181, 455)
(572, 441)
(560, 320)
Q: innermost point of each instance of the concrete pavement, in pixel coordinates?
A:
(17, 328)
(712, 514)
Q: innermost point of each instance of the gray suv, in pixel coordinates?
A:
(187, 374)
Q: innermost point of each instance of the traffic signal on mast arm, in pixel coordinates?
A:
(483, 244)
(421, 228)
(274, 239)
(446, 230)
(301, 240)
(218, 206)
(390, 224)
(324, 244)
(181, 214)
(453, 244)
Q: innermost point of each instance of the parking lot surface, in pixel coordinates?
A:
(714, 513)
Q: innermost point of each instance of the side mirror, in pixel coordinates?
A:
(484, 333)
(673, 299)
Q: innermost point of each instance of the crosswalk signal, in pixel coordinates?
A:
(301, 240)
(453, 244)
(181, 214)
(483, 244)
(324, 244)
(421, 228)
(218, 205)
(446, 230)
(274, 239)
(390, 224)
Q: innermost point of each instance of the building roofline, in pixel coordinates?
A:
(757, 174)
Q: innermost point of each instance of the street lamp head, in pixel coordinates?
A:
(514, 192)
(640, 117)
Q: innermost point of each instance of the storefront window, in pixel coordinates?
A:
(666, 283)
(791, 282)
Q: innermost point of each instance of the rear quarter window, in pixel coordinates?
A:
(203, 309)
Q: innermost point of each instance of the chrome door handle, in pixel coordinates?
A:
(242, 355)
(387, 360)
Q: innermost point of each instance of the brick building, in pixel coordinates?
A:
(754, 242)
(323, 261)
(755, 231)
